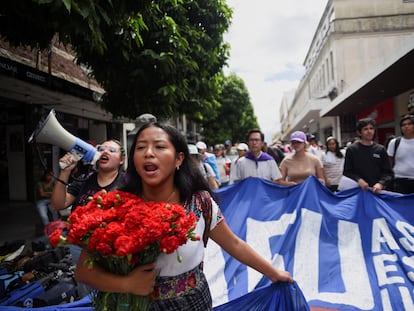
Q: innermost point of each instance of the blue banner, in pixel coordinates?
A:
(347, 251)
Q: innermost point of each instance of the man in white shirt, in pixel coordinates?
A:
(256, 163)
(314, 147)
(242, 149)
(400, 151)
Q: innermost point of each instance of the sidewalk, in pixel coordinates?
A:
(19, 220)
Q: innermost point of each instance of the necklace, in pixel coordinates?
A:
(167, 201)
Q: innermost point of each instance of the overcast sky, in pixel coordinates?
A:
(269, 40)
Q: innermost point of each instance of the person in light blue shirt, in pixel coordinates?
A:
(209, 158)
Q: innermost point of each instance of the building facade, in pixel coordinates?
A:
(358, 65)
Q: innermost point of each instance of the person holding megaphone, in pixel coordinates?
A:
(108, 175)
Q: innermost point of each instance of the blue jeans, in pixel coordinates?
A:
(43, 207)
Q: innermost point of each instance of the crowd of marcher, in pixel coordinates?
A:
(361, 162)
(163, 166)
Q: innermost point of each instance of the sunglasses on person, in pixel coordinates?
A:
(102, 148)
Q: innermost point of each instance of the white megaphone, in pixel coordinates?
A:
(51, 132)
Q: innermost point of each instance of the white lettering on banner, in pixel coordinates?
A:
(214, 271)
(389, 267)
(406, 298)
(385, 298)
(382, 233)
(408, 241)
(306, 266)
(265, 230)
(353, 267)
(358, 291)
(393, 268)
(409, 261)
(384, 270)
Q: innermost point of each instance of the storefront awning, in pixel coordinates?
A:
(382, 83)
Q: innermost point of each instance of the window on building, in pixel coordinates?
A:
(323, 78)
(332, 16)
(332, 65)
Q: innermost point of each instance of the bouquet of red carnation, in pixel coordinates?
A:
(122, 231)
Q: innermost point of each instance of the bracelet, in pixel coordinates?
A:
(61, 181)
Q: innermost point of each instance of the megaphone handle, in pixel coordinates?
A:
(73, 157)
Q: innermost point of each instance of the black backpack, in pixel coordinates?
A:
(396, 144)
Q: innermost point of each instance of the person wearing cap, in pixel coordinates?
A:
(242, 149)
(223, 164)
(256, 163)
(205, 168)
(230, 151)
(400, 150)
(300, 164)
(208, 158)
(314, 147)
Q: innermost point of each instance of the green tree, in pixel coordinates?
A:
(235, 115)
(161, 57)
(34, 23)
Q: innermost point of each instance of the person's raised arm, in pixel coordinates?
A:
(60, 199)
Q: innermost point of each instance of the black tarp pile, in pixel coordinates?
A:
(36, 275)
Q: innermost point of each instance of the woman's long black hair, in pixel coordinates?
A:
(337, 152)
(187, 179)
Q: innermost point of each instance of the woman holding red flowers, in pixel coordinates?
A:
(160, 169)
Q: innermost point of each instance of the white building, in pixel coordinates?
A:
(358, 64)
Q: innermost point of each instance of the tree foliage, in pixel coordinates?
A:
(161, 57)
(235, 115)
(34, 23)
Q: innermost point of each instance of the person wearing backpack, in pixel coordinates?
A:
(400, 151)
